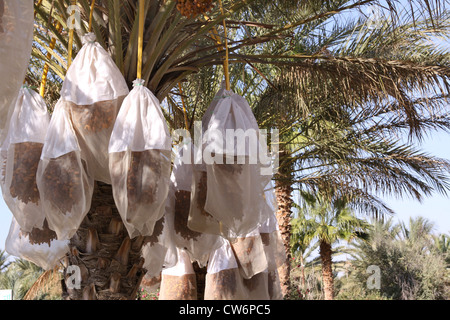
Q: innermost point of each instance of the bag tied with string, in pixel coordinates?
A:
(26, 136)
(139, 161)
(64, 185)
(233, 165)
(199, 219)
(94, 89)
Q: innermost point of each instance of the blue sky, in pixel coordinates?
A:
(437, 207)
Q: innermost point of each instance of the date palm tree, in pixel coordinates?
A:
(286, 46)
(328, 223)
(339, 140)
(410, 267)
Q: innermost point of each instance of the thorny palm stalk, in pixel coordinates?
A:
(268, 38)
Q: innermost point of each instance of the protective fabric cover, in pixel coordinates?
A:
(198, 245)
(140, 161)
(159, 250)
(179, 282)
(275, 255)
(224, 280)
(233, 166)
(64, 185)
(199, 219)
(249, 252)
(26, 136)
(39, 247)
(94, 90)
(16, 37)
(3, 158)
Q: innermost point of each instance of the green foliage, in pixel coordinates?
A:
(324, 221)
(412, 260)
(411, 267)
(20, 275)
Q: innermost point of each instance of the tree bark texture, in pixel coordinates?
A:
(283, 189)
(109, 262)
(327, 270)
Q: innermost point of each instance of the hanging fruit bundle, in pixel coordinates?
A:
(179, 282)
(233, 192)
(22, 151)
(62, 178)
(94, 90)
(197, 244)
(201, 220)
(224, 280)
(249, 252)
(16, 38)
(39, 246)
(139, 161)
(223, 277)
(159, 249)
(191, 8)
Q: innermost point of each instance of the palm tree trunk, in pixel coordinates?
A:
(109, 261)
(327, 270)
(283, 190)
(302, 266)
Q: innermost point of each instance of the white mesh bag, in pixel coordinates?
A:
(94, 89)
(199, 219)
(197, 244)
(40, 246)
(233, 166)
(159, 250)
(16, 37)
(64, 184)
(26, 136)
(179, 282)
(249, 252)
(139, 161)
(224, 280)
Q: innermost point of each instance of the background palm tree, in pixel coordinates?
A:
(328, 223)
(20, 276)
(411, 269)
(300, 63)
(442, 243)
